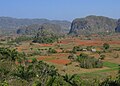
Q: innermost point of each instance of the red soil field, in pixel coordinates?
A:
(88, 42)
(58, 50)
(43, 57)
(66, 41)
(60, 55)
(46, 45)
(60, 61)
(114, 42)
(57, 61)
(94, 42)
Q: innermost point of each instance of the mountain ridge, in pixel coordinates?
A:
(16, 22)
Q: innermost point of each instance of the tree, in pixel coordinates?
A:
(52, 50)
(89, 62)
(51, 81)
(72, 57)
(44, 71)
(24, 72)
(5, 83)
(69, 79)
(81, 56)
(7, 54)
(106, 46)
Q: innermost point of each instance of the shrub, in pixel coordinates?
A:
(106, 46)
(52, 50)
(89, 62)
(89, 48)
(116, 56)
(45, 39)
(72, 57)
(22, 38)
(77, 48)
(102, 57)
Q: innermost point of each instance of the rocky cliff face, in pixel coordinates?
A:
(117, 29)
(92, 24)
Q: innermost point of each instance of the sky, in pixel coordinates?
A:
(59, 9)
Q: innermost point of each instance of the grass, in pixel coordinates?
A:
(102, 74)
(110, 64)
(112, 67)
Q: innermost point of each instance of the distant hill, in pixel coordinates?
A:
(9, 23)
(35, 28)
(117, 29)
(87, 25)
(92, 24)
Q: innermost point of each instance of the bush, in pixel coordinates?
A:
(89, 48)
(102, 57)
(77, 48)
(22, 38)
(106, 46)
(89, 62)
(72, 57)
(52, 50)
(116, 56)
(45, 39)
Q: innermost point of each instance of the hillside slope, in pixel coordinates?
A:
(92, 24)
(34, 28)
(8, 23)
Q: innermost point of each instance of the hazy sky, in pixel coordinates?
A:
(59, 9)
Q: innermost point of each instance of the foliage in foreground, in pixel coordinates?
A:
(38, 73)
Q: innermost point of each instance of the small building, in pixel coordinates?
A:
(93, 50)
(84, 49)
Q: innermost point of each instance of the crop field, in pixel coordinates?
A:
(65, 45)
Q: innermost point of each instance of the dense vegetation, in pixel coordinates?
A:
(45, 37)
(86, 61)
(38, 73)
(89, 62)
(22, 38)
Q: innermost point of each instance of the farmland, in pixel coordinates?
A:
(86, 58)
(64, 48)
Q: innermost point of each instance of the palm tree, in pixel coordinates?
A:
(69, 79)
(44, 71)
(51, 81)
(13, 54)
(8, 54)
(24, 72)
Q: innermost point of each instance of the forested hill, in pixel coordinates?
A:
(93, 24)
(35, 28)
